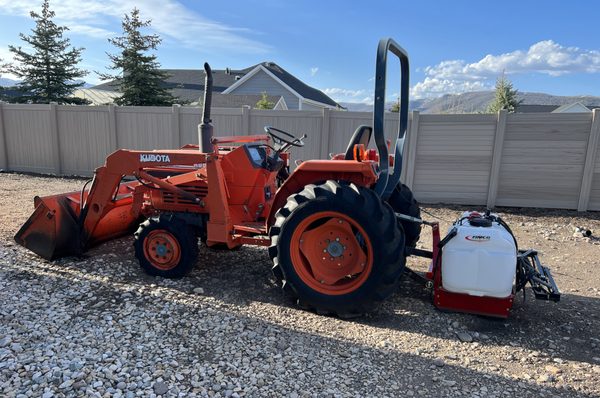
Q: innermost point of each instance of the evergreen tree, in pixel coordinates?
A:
(395, 106)
(264, 102)
(140, 80)
(49, 73)
(505, 96)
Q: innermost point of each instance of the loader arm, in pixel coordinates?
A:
(129, 163)
(68, 224)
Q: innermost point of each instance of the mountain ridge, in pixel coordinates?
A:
(477, 102)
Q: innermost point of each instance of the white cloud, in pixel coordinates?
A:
(314, 70)
(348, 95)
(544, 57)
(170, 19)
(434, 87)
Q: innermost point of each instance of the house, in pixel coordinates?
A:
(105, 97)
(575, 107)
(266, 77)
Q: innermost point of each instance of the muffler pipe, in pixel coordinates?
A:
(205, 129)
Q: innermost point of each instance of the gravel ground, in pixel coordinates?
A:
(98, 326)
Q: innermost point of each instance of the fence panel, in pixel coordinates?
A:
(141, 127)
(594, 203)
(29, 140)
(542, 161)
(453, 159)
(84, 138)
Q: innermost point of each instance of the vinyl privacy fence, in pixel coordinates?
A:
(528, 160)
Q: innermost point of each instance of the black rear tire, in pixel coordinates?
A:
(364, 209)
(171, 236)
(403, 201)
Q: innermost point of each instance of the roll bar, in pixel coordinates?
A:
(387, 182)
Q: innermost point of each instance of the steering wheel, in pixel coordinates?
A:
(280, 139)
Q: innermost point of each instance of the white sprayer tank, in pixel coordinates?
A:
(479, 261)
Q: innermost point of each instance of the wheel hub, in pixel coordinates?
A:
(333, 252)
(335, 248)
(161, 249)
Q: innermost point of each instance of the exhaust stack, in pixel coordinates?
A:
(205, 129)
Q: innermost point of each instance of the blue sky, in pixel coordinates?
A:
(454, 46)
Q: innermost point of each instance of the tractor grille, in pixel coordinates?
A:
(173, 198)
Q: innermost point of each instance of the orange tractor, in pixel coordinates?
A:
(338, 230)
(335, 242)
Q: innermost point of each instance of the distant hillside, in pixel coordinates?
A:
(475, 102)
(6, 82)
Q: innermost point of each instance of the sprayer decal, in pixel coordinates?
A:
(478, 238)
(153, 157)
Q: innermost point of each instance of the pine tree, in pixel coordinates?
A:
(395, 106)
(264, 102)
(505, 96)
(140, 79)
(49, 73)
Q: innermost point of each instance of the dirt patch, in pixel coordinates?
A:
(98, 324)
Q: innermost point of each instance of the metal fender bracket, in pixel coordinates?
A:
(530, 270)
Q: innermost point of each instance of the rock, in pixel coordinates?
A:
(464, 337)
(199, 290)
(16, 347)
(121, 385)
(439, 362)
(282, 345)
(160, 388)
(553, 369)
(545, 378)
(5, 341)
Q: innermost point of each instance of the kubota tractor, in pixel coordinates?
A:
(338, 230)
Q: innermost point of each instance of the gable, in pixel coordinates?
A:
(260, 82)
(576, 107)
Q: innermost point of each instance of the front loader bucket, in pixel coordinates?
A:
(55, 229)
(52, 230)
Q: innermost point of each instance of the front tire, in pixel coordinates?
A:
(165, 246)
(337, 249)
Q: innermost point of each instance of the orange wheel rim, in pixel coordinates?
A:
(162, 249)
(331, 253)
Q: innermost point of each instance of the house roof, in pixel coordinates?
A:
(187, 83)
(531, 108)
(238, 100)
(97, 97)
(574, 107)
(297, 85)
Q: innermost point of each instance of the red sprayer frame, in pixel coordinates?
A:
(446, 300)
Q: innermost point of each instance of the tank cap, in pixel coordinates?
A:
(480, 222)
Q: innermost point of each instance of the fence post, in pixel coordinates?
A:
(175, 130)
(325, 130)
(3, 141)
(590, 160)
(246, 120)
(113, 137)
(411, 149)
(496, 158)
(55, 138)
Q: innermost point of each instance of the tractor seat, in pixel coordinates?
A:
(362, 135)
